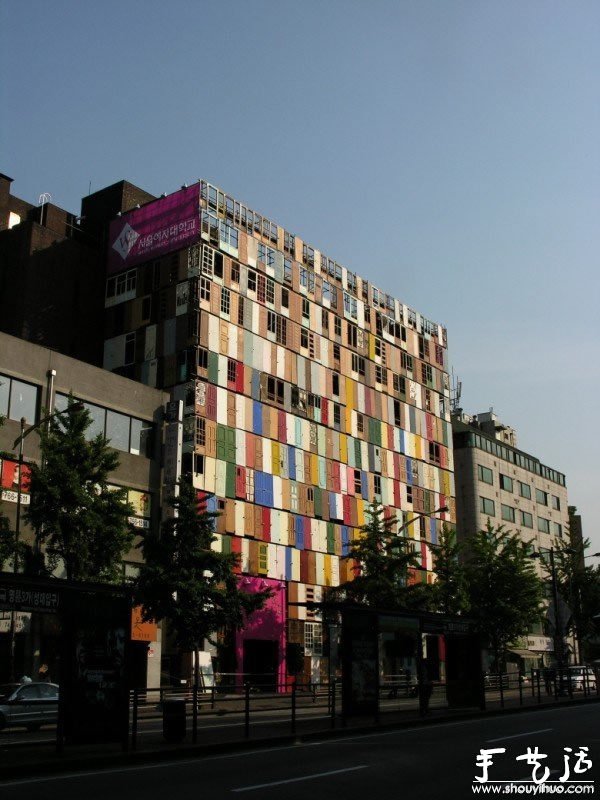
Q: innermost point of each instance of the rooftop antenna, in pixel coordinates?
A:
(455, 392)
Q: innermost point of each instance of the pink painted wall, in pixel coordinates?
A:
(267, 624)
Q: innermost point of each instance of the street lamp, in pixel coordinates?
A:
(73, 408)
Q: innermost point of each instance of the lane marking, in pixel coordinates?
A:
(303, 778)
(335, 742)
(518, 735)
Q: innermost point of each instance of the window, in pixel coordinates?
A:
(485, 475)
(557, 529)
(427, 373)
(129, 355)
(400, 384)
(525, 491)
(303, 338)
(270, 291)
(202, 358)
(305, 308)
(555, 503)
(285, 298)
(335, 384)
(337, 326)
(204, 289)
(313, 639)
(125, 433)
(357, 483)
(287, 270)
(251, 280)
(377, 484)
(352, 335)
(200, 432)
(235, 272)
(271, 321)
(541, 497)
(336, 352)
(281, 335)
(360, 423)
(380, 374)
(543, 525)
(526, 519)
(506, 483)
(508, 513)
(358, 364)
(337, 415)
(231, 370)
(350, 305)
(325, 319)
(225, 301)
(487, 507)
(406, 361)
(275, 390)
(434, 453)
(121, 284)
(397, 417)
(18, 399)
(241, 310)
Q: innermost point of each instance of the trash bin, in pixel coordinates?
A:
(174, 719)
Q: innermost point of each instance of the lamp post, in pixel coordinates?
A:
(19, 442)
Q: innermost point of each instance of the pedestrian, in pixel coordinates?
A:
(425, 689)
(44, 673)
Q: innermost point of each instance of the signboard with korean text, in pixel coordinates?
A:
(142, 631)
(29, 598)
(10, 476)
(158, 228)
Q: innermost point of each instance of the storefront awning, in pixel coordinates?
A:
(525, 653)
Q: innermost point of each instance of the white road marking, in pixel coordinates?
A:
(302, 778)
(518, 735)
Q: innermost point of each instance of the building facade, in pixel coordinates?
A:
(35, 380)
(306, 392)
(496, 481)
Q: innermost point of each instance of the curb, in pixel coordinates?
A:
(56, 764)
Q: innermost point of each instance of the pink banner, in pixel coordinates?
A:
(154, 230)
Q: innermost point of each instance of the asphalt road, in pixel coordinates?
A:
(434, 761)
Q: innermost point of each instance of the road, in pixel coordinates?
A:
(434, 761)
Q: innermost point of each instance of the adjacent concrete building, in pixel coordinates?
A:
(497, 481)
(34, 379)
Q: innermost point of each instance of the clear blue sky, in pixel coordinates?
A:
(447, 151)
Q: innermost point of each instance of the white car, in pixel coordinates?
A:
(582, 679)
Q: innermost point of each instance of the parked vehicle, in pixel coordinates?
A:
(582, 678)
(28, 705)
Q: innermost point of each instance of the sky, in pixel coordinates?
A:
(449, 152)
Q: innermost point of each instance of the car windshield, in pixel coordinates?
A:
(7, 689)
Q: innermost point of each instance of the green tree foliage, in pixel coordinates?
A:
(79, 518)
(449, 593)
(579, 585)
(504, 591)
(187, 583)
(383, 560)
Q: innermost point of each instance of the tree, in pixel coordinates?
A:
(579, 585)
(186, 582)
(383, 561)
(505, 594)
(81, 520)
(449, 592)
